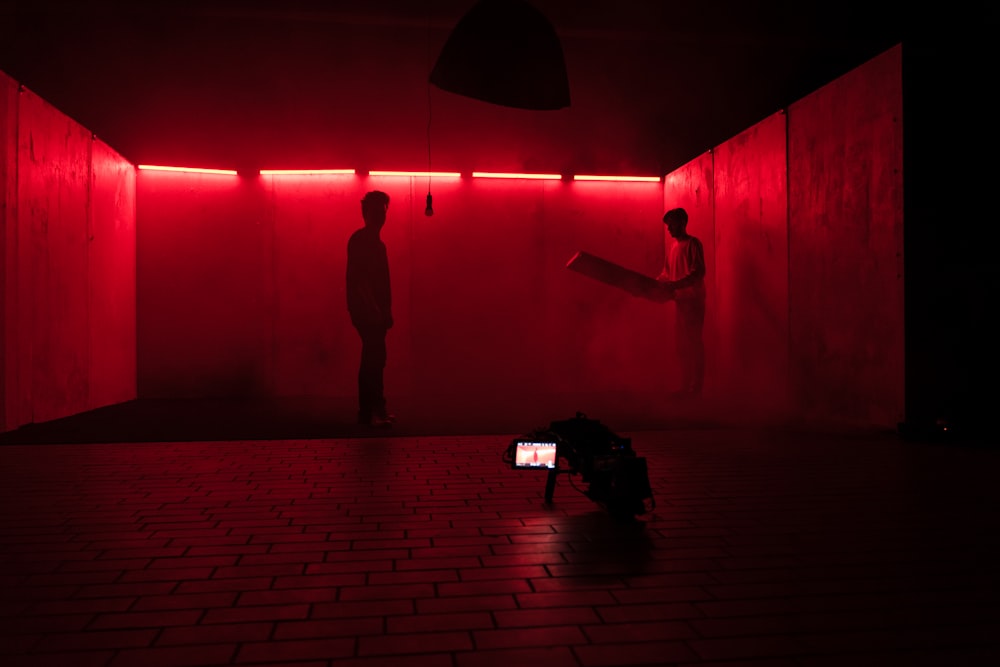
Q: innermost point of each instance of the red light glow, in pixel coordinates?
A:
(189, 170)
(537, 177)
(636, 179)
(435, 174)
(305, 172)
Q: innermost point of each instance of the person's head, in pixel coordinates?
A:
(373, 208)
(676, 220)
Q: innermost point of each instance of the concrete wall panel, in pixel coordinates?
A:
(751, 247)
(313, 216)
(9, 404)
(68, 277)
(846, 236)
(112, 279)
(478, 291)
(202, 251)
(606, 348)
(53, 221)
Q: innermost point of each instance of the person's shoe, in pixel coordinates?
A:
(378, 419)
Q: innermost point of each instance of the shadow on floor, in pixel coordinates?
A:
(200, 420)
(169, 420)
(190, 420)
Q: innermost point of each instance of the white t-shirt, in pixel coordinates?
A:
(686, 256)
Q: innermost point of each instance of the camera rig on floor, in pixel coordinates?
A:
(618, 479)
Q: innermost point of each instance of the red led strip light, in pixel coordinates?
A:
(436, 174)
(305, 172)
(537, 177)
(190, 170)
(637, 179)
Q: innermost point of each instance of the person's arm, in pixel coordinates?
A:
(665, 273)
(664, 291)
(387, 293)
(353, 280)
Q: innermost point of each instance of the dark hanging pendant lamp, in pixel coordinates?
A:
(504, 52)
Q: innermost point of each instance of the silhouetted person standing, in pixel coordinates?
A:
(369, 301)
(684, 277)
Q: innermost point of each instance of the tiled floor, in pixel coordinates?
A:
(764, 549)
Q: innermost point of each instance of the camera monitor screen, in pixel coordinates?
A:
(531, 454)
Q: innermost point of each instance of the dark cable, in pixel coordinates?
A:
(429, 209)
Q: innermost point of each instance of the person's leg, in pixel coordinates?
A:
(697, 345)
(378, 373)
(690, 344)
(370, 375)
(364, 391)
(683, 345)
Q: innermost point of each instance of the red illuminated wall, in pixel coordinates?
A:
(203, 252)
(8, 242)
(805, 291)
(846, 234)
(112, 275)
(751, 273)
(597, 340)
(309, 221)
(241, 290)
(69, 261)
(53, 208)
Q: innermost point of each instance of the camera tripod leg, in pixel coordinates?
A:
(550, 486)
